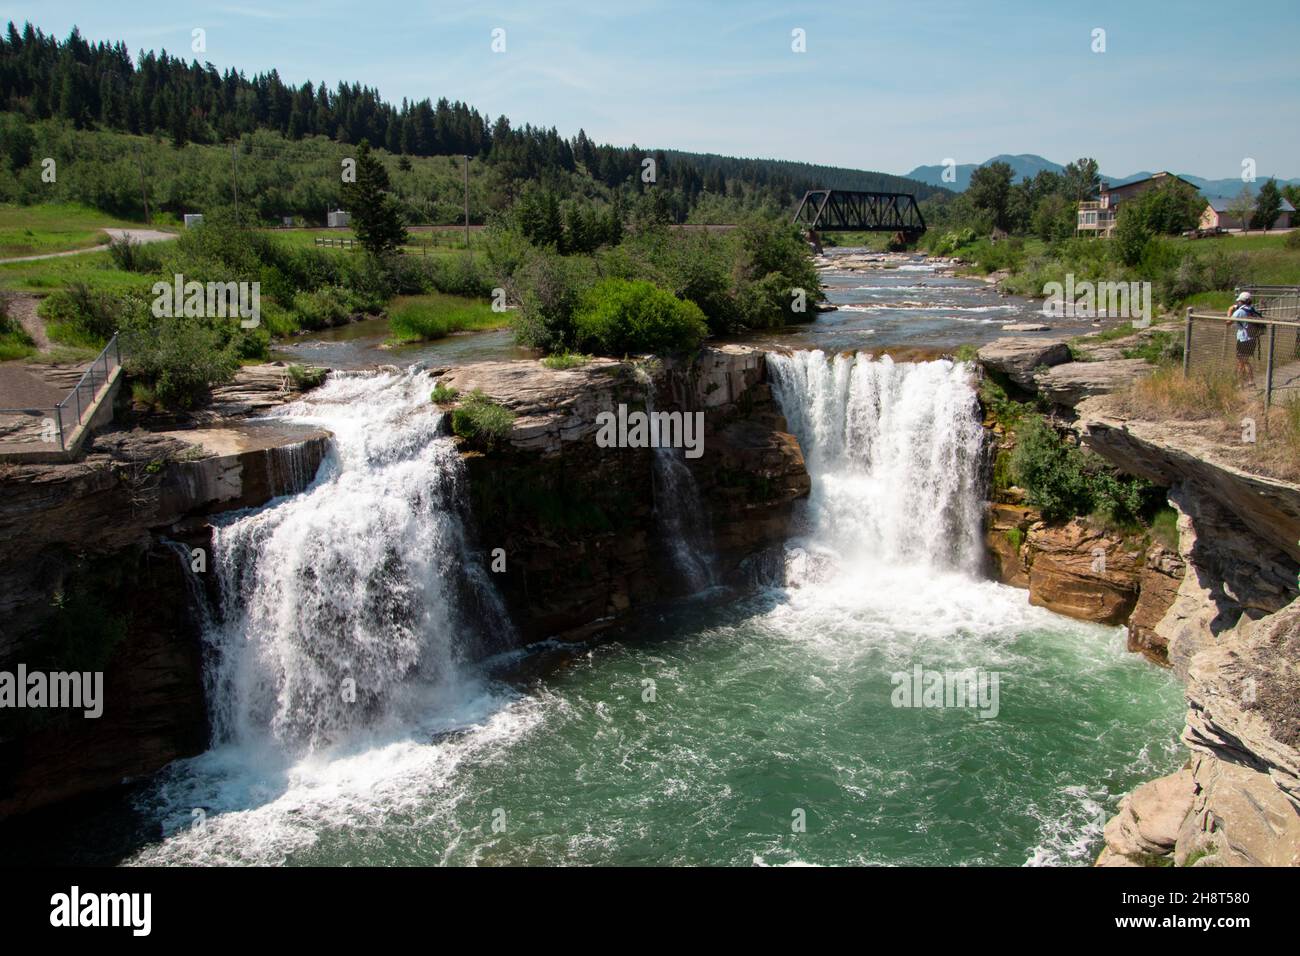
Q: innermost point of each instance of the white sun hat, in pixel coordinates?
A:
(1244, 297)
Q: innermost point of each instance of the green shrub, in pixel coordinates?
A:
(547, 287)
(563, 360)
(306, 377)
(481, 420)
(1064, 481)
(772, 261)
(83, 317)
(131, 255)
(617, 316)
(180, 358)
(1051, 472)
(442, 394)
(324, 308)
(1292, 240)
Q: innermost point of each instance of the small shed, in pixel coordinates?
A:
(338, 219)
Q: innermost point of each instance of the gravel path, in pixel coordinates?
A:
(139, 235)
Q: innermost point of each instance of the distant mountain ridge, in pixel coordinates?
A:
(1028, 165)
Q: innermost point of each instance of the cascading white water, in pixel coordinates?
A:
(339, 606)
(683, 522)
(893, 451)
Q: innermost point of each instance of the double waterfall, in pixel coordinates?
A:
(353, 604)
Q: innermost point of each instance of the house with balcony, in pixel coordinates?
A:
(1098, 217)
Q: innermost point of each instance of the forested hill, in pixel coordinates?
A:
(830, 177)
(98, 86)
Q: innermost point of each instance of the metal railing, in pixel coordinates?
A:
(1260, 353)
(59, 422)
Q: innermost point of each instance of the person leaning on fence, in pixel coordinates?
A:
(1248, 334)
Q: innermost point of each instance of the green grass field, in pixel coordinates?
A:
(417, 318)
(95, 269)
(56, 227)
(436, 242)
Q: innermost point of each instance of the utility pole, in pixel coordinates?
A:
(467, 204)
(234, 177)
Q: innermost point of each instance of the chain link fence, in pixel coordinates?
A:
(1262, 353)
(52, 427)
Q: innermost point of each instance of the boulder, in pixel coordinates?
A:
(1149, 820)
(1019, 358)
(1238, 818)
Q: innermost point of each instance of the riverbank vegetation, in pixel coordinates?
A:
(579, 240)
(1062, 479)
(1026, 232)
(758, 275)
(481, 421)
(434, 315)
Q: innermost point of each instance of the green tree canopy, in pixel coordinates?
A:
(1268, 205)
(376, 218)
(990, 192)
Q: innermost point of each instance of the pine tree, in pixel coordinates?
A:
(376, 218)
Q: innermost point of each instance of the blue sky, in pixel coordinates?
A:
(1192, 87)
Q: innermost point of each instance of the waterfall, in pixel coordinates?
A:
(347, 605)
(683, 522)
(894, 452)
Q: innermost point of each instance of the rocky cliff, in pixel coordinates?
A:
(96, 555)
(582, 526)
(89, 582)
(1233, 635)
(1221, 609)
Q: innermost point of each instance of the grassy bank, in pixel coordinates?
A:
(1202, 273)
(1219, 409)
(417, 318)
(55, 227)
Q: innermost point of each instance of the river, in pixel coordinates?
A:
(766, 729)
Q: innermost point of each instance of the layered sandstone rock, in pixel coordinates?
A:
(1162, 575)
(1070, 383)
(1020, 358)
(82, 550)
(1232, 632)
(1149, 820)
(1082, 572)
